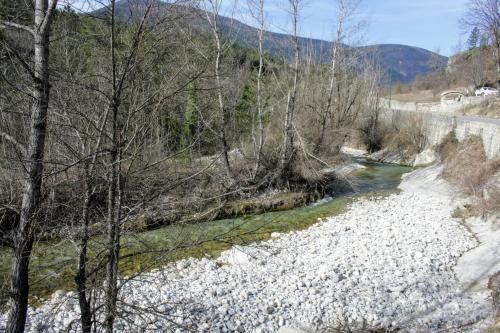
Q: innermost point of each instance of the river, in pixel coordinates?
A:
(52, 262)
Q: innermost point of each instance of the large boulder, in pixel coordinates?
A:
(388, 156)
(353, 152)
(244, 255)
(425, 158)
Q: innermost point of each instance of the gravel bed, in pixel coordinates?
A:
(386, 263)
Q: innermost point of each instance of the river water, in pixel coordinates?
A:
(52, 262)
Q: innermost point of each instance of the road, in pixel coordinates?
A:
(493, 121)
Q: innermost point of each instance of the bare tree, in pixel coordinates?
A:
(371, 127)
(113, 131)
(436, 63)
(119, 75)
(485, 15)
(346, 10)
(475, 70)
(289, 131)
(23, 239)
(258, 13)
(213, 17)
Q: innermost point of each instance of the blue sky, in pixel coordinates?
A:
(430, 24)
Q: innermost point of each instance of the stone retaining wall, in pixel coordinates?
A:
(439, 125)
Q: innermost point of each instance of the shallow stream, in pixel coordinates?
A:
(52, 262)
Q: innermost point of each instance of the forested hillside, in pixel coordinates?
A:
(399, 63)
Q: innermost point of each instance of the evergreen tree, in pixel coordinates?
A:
(474, 37)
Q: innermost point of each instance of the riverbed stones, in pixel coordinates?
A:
(388, 266)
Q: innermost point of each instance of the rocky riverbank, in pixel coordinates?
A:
(388, 263)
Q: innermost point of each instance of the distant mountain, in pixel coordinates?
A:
(401, 63)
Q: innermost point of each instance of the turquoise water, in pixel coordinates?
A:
(53, 262)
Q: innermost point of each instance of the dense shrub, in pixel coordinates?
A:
(407, 135)
(467, 168)
(447, 147)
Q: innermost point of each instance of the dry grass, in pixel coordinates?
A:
(490, 108)
(447, 147)
(421, 96)
(468, 169)
(492, 203)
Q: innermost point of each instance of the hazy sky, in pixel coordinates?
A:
(429, 24)
(425, 23)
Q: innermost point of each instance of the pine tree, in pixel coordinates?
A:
(474, 37)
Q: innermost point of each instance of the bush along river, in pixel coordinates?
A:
(53, 262)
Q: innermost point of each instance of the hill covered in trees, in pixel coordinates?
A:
(399, 63)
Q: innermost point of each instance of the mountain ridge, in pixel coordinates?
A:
(401, 63)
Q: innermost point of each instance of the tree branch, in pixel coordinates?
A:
(7, 24)
(16, 143)
(20, 58)
(48, 16)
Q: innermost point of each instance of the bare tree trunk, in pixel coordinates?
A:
(225, 119)
(260, 111)
(23, 239)
(113, 222)
(326, 114)
(114, 200)
(288, 148)
(497, 53)
(223, 110)
(81, 272)
(495, 27)
(113, 219)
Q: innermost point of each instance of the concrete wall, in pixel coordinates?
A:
(438, 126)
